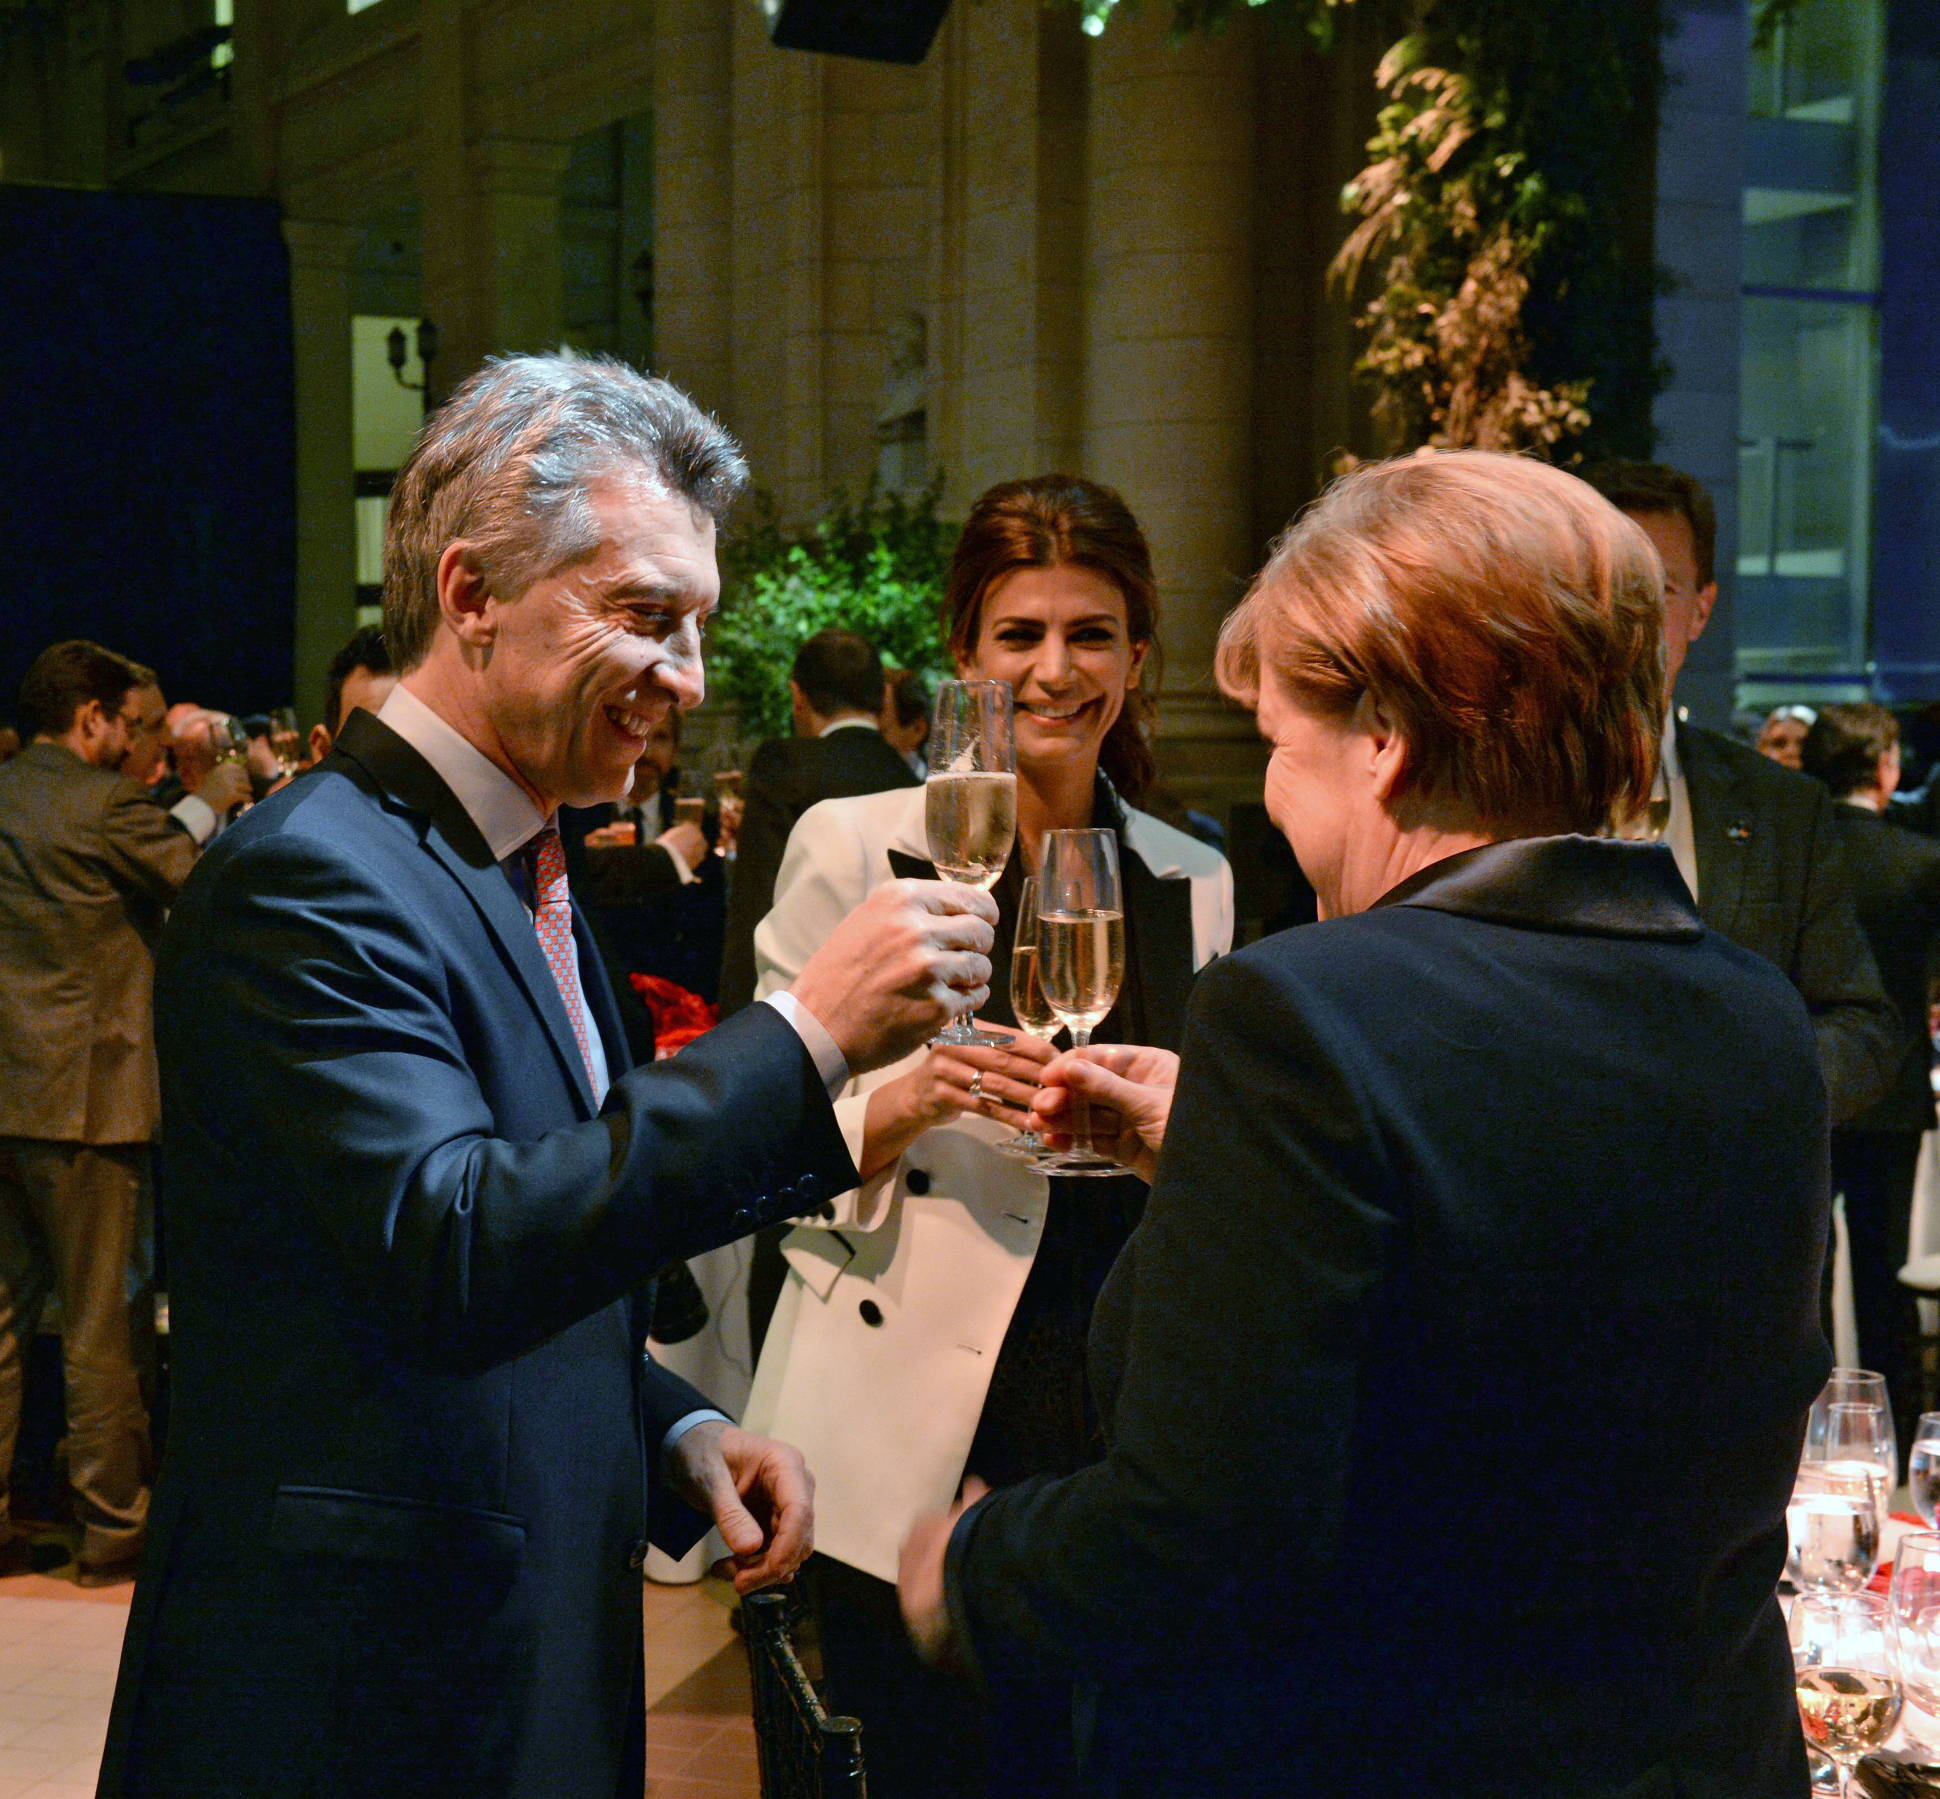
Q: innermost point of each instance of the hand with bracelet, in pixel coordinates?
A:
(998, 1084)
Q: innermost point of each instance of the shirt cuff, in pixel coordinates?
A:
(687, 876)
(196, 816)
(830, 1063)
(682, 1425)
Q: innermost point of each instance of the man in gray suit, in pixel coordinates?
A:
(1755, 843)
(88, 866)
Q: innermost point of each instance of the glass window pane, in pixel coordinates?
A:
(1805, 485)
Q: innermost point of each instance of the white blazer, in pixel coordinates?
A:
(879, 1356)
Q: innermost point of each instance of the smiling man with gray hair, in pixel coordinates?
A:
(414, 1190)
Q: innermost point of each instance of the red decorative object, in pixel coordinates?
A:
(678, 1015)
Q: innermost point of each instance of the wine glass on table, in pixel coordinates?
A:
(1855, 1437)
(1845, 1670)
(1915, 1602)
(1030, 1008)
(970, 798)
(1081, 960)
(1832, 1530)
(1860, 1387)
(1923, 1469)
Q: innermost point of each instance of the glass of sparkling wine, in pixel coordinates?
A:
(1030, 1008)
(1845, 1669)
(1923, 1468)
(1081, 959)
(970, 798)
(1832, 1530)
(1915, 1601)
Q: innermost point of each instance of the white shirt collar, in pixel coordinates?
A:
(847, 724)
(1669, 773)
(503, 812)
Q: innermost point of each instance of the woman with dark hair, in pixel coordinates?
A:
(933, 1324)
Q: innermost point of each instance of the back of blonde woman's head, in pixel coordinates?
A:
(1500, 614)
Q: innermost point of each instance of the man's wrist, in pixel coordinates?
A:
(830, 1063)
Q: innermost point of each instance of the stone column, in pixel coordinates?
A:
(693, 171)
(326, 551)
(1169, 351)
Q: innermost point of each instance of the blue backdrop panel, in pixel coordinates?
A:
(147, 438)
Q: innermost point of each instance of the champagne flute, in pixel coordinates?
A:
(1081, 959)
(970, 798)
(1915, 1602)
(1031, 1009)
(1923, 1468)
(1845, 1669)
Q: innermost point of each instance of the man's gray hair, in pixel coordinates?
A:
(505, 463)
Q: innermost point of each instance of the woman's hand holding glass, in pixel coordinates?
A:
(1129, 1088)
(994, 1083)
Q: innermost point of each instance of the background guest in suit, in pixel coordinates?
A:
(1895, 875)
(837, 690)
(654, 892)
(9, 739)
(1782, 735)
(414, 1188)
(934, 1319)
(906, 717)
(88, 870)
(360, 674)
(1496, 1196)
(1755, 842)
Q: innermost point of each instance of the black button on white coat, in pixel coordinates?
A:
(917, 1180)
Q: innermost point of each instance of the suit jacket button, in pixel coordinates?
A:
(871, 1312)
(636, 1557)
(917, 1180)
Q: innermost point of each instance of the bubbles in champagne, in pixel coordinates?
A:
(970, 817)
(1082, 957)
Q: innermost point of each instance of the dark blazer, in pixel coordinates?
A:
(87, 869)
(396, 1540)
(1514, 1190)
(1895, 878)
(786, 777)
(1772, 877)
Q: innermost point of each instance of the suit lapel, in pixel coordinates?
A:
(1721, 830)
(1158, 948)
(454, 842)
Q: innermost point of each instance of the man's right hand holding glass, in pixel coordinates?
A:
(1130, 1090)
(910, 958)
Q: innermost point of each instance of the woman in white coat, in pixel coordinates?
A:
(932, 1325)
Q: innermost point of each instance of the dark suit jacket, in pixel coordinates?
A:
(1772, 877)
(1513, 1192)
(87, 870)
(1895, 878)
(786, 777)
(395, 1543)
(646, 918)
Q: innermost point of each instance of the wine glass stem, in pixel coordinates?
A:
(1080, 1106)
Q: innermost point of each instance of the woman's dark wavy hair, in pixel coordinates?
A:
(1051, 521)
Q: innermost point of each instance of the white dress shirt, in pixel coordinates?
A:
(1671, 785)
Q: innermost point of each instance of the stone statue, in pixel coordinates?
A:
(902, 409)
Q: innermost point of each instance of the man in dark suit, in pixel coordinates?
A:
(1755, 842)
(836, 688)
(1855, 751)
(414, 1188)
(360, 674)
(88, 868)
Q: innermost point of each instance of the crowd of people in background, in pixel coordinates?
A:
(1811, 849)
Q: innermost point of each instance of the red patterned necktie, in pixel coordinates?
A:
(552, 918)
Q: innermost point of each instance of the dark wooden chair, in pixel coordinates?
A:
(804, 1753)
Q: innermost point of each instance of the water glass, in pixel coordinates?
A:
(1923, 1468)
(1832, 1530)
(1915, 1603)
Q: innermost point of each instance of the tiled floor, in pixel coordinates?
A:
(59, 1646)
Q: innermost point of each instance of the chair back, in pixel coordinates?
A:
(804, 1753)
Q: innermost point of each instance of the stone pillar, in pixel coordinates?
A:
(1169, 348)
(693, 189)
(326, 552)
